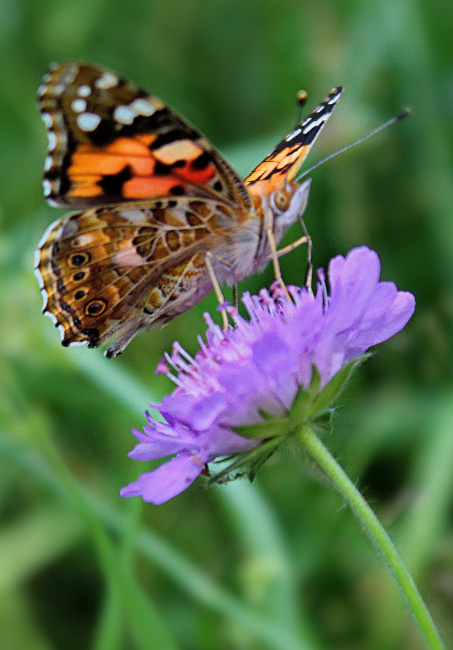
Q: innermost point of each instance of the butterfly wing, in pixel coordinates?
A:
(108, 272)
(159, 197)
(283, 163)
(110, 142)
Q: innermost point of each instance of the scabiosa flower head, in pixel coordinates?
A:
(255, 372)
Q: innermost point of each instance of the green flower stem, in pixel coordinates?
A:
(375, 531)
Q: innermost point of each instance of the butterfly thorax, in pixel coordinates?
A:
(276, 208)
(243, 247)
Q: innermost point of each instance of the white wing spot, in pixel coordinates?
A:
(83, 91)
(79, 105)
(124, 114)
(316, 123)
(84, 240)
(134, 216)
(108, 80)
(142, 107)
(51, 140)
(60, 329)
(44, 299)
(58, 89)
(52, 317)
(47, 232)
(48, 162)
(36, 261)
(293, 135)
(41, 90)
(88, 121)
(47, 119)
(46, 187)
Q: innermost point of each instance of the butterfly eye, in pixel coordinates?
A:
(280, 199)
(95, 307)
(79, 259)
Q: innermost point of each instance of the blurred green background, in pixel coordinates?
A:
(280, 564)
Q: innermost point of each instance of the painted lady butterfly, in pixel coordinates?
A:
(155, 198)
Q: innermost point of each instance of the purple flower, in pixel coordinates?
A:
(260, 365)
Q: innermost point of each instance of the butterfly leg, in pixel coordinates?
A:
(235, 296)
(274, 257)
(309, 273)
(306, 239)
(290, 247)
(217, 290)
(227, 265)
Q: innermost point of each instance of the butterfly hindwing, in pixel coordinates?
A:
(110, 142)
(103, 267)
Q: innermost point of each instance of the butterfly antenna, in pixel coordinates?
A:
(301, 101)
(396, 118)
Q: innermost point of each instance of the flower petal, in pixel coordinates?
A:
(165, 482)
(163, 440)
(396, 317)
(353, 281)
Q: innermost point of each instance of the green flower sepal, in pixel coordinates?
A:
(311, 407)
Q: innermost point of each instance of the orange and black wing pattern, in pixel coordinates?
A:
(110, 142)
(285, 160)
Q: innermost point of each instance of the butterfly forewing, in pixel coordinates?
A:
(286, 159)
(110, 142)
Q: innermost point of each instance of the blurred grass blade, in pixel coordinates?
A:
(432, 485)
(267, 562)
(110, 625)
(30, 543)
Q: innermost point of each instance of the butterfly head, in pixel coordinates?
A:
(274, 180)
(287, 202)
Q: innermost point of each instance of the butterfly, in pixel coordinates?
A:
(153, 199)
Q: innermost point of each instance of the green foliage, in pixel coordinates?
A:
(278, 564)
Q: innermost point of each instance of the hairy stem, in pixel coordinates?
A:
(376, 533)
